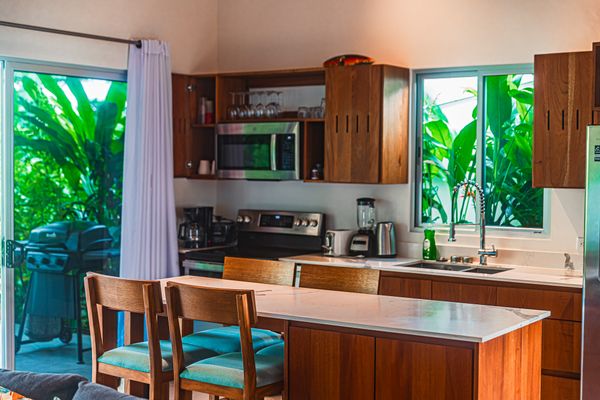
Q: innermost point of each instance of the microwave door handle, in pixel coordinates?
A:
(274, 152)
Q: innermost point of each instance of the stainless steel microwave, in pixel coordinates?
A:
(261, 150)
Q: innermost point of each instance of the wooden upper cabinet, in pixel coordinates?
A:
(366, 127)
(181, 129)
(563, 110)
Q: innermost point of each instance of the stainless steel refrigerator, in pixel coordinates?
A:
(590, 372)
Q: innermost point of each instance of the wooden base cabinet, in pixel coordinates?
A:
(561, 333)
(559, 388)
(331, 363)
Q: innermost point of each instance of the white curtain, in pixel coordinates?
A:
(149, 238)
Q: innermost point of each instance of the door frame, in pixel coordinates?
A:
(8, 66)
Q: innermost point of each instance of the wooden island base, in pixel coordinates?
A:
(328, 363)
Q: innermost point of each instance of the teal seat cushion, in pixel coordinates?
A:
(136, 356)
(227, 339)
(228, 370)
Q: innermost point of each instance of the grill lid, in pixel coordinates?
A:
(71, 236)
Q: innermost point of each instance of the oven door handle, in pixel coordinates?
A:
(274, 152)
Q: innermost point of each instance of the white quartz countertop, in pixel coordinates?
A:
(426, 318)
(517, 274)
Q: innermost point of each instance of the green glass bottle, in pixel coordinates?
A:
(429, 247)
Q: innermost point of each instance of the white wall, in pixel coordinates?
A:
(190, 27)
(271, 34)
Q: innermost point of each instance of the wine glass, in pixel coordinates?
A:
(233, 110)
(243, 108)
(271, 108)
(259, 108)
(279, 104)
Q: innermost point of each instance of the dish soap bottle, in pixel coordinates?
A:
(429, 247)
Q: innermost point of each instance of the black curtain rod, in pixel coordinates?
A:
(137, 43)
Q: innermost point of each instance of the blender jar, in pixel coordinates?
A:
(365, 213)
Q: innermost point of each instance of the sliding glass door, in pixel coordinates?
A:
(62, 164)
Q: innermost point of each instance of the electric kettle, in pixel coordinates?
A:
(386, 239)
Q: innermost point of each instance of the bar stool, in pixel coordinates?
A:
(146, 362)
(242, 375)
(343, 279)
(227, 339)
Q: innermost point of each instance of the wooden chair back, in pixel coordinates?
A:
(259, 271)
(225, 306)
(343, 279)
(106, 295)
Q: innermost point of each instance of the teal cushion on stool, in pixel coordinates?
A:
(137, 357)
(227, 339)
(228, 369)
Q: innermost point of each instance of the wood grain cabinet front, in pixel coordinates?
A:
(563, 110)
(404, 287)
(366, 124)
(329, 365)
(463, 293)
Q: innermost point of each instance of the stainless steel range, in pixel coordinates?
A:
(263, 234)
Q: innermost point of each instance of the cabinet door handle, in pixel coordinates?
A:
(347, 122)
(356, 123)
(548, 120)
(577, 120)
(368, 122)
(563, 120)
(337, 124)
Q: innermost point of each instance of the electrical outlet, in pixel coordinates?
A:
(579, 244)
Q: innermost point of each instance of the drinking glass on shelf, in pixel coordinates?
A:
(233, 110)
(259, 107)
(279, 104)
(243, 109)
(271, 107)
(303, 112)
(323, 108)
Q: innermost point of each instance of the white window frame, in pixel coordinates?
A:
(416, 116)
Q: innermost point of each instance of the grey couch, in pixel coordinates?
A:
(61, 386)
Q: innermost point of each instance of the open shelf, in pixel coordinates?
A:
(242, 121)
(203, 126)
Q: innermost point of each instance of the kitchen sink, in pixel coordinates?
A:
(457, 268)
(439, 267)
(487, 270)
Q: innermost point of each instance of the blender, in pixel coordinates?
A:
(363, 243)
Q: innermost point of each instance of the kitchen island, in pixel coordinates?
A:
(356, 346)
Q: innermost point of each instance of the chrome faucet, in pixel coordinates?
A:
(483, 252)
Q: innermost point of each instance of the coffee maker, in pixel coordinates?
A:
(195, 232)
(364, 242)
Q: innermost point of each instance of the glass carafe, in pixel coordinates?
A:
(365, 213)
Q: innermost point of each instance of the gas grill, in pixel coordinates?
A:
(58, 255)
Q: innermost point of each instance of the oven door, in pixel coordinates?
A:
(261, 151)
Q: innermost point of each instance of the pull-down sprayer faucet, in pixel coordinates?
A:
(483, 251)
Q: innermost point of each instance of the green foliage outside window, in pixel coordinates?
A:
(449, 152)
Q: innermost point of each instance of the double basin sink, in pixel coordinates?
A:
(458, 268)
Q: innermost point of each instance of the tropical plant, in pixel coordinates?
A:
(68, 155)
(76, 142)
(449, 157)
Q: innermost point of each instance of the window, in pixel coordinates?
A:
(477, 125)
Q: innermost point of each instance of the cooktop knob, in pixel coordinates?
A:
(240, 219)
(247, 219)
(298, 222)
(304, 222)
(314, 222)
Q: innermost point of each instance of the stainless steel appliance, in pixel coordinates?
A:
(590, 373)
(386, 239)
(196, 231)
(265, 151)
(363, 243)
(223, 232)
(337, 242)
(263, 234)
